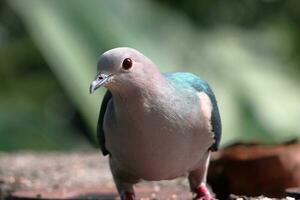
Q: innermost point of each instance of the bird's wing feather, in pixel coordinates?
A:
(100, 132)
(202, 86)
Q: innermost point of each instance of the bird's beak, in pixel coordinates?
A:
(100, 80)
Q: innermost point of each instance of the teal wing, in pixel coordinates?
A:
(100, 132)
(202, 86)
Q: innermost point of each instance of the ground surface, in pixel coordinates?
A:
(62, 175)
(74, 175)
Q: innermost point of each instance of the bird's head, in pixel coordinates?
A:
(120, 66)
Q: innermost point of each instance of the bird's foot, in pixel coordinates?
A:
(128, 196)
(202, 193)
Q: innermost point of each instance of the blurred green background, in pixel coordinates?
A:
(248, 50)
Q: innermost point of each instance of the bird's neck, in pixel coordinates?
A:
(139, 95)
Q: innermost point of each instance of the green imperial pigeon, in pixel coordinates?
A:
(154, 126)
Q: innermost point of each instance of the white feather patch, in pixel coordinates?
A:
(205, 105)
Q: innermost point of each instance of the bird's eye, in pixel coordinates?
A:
(127, 63)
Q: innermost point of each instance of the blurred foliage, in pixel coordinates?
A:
(35, 112)
(244, 13)
(248, 15)
(247, 50)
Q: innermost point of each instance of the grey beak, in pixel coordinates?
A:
(100, 80)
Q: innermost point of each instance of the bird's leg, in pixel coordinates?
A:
(123, 182)
(197, 180)
(125, 190)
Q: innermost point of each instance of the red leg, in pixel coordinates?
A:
(124, 182)
(197, 180)
(128, 196)
(202, 193)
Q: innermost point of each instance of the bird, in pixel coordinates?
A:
(152, 125)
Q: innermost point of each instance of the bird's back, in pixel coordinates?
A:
(184, 79)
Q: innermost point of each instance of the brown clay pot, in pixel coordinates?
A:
(253, 169)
